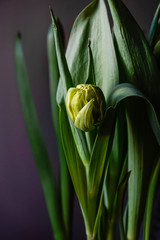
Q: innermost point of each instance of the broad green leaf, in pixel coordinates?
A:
(65, 182)
(150, 200)
(38, 146)
(155, 28)
(64, 84)
(134, 53)
(124, 91)
(92, 23)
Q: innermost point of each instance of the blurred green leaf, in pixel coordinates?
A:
(38, 146)
(156, 52)
(92, 23)
(155, 28)
(150, 200)
(65, 181)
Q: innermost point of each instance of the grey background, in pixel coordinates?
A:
(23, 213)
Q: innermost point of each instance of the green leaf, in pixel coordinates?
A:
(120, 198)
(90, 136)
(75, 166)
(142, 148)
(124, 91)
(150, 200)
(38, 146)
(98, 168)
(155, 28)
(156, 52)
(64, 84)
(65, 181)
(92, 23)
(53, 78)
(134, 53)
(117, 157)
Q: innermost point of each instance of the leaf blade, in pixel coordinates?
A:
(65, 181)
(150, 200)
(93, 22)
(38, 146)
(153, 33)
(64, 84)
(135, 55)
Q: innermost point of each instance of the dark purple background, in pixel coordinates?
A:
(23, 214)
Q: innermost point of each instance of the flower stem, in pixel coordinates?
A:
(91, 237)
(111, 231)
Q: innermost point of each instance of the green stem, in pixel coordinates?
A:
(91, 237)
(111, 230)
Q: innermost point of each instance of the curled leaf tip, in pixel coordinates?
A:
(86, 106)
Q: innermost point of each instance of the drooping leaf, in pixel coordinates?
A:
(140, 151)
(150, 200)
(92, 23)
(64, 84)
(134, 53)
(65, 182)
(124, 91)
(38, 146)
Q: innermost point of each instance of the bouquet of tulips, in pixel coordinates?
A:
(105, 96)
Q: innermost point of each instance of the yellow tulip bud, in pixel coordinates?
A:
(86, 106)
